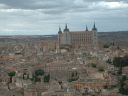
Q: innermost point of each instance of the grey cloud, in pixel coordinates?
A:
(33, 4)
(47, 4)
(56, 6)
(45, 15)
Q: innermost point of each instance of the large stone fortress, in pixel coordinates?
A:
(78, 39)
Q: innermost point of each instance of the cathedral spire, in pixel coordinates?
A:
(66, 28)
(86, 28)
(59, 28)
(94, 27)
(59, 32)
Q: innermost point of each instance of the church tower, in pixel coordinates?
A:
(95, 39)
(66, 36)
(59, 37)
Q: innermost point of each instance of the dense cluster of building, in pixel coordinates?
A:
(71, 65)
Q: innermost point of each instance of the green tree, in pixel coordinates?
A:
(47, 78)
(37, 75)
(106, 46)
(39, 72)
(109, 61)
(123, 87)
(120, 61)
(11, 75)
(117, 61)
(93, 65)
(101, 70)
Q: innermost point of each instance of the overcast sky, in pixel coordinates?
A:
(41, 17)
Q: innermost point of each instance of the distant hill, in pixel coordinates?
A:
(120, 38)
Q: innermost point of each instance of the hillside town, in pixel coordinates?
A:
(73, 64)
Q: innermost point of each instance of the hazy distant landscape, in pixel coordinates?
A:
(120, 37)
(109, 36)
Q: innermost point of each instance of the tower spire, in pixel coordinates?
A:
(66, 28)
(94, 27)
(59, 30)
(86, 28)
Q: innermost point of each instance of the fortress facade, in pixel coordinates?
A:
(86, 39)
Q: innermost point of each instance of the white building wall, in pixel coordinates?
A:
(66, 38)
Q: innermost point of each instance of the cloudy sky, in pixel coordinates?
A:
(41, 17)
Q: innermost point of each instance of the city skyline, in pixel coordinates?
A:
(43, 17)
